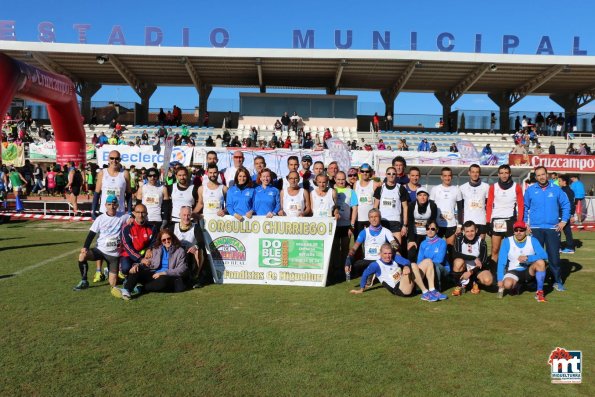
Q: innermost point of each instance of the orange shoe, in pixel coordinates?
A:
(475, 290)
(539, 296)
(458, 291)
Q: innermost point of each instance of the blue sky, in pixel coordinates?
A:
(269, 24)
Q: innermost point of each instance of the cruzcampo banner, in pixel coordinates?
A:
(275, 251)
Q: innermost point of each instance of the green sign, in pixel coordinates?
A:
(292, 254)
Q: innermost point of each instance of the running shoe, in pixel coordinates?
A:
(458, 291)
(98, 277)
(539, 296)
(116, 292)
(559, 287)
(475, 290)
(121, 276)
(439, 296)
(83, 284)
(138, 290)
(567, 251)
(125, 294)
(429, 297)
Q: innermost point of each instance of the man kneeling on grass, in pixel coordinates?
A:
(393, 272)
(525, 258)
(108, 226)
(165, 271)
(471, 261)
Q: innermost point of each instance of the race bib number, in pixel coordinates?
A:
(213, 204)
(397, 275)
(447, 215)
(420, 226)
(372, 251)
(294, 207)
(389, 203)
(476, 204)
(112, 242)
(151, 199)
(499, 225)
(112, 190)
(365, 199)
(323, 213)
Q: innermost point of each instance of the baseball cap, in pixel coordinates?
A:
(111, 199)
(307, 158)
(421, 190)
(365, 166)
(520, 225)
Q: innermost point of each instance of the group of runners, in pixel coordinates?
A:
(409, 236)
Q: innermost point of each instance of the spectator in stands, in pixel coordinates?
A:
(492, 121)
(376, 122)
(453, 147)
(381, 145)
(205, 120)
(209, 141)
(94, 140)
(285, 120)
(582, 149)
(278, 126)
(552, 148)
(519, 149)
(218, 141)
(235, 142)
(539, 122)
(327, 135)
(388, 119)
(433, 148)
(103, 139)
(317, 139)
(38, 179)
(571, 149)
(423, 146)
(226, 137)
(287, 143)
(517, 123)
(161, 116)
(487, 150)
(308, 144)
(295, 121)
(538, 150)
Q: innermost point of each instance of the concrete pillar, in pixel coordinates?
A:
(203, 99)
(389, 101)
(142, 111)
(446, 103)
(503, 101)
(86, 91)
(570, 105)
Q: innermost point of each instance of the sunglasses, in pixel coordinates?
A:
(518, 229)
(432, 229)
(365, 172)
(152, 176)
(115, 158)
(391, 174)
(352, 175)
(165, 239)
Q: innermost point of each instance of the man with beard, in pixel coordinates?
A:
(470, 260)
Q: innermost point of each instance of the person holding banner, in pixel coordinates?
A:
(393, 271)
(391, 199)
(240, 196)
(323, 198)
(370, 239)
(211, 194)
(267, 199)
(192, 240)
(152, 195)
(112, 181)
(295, 200)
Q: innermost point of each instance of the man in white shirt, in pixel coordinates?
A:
(449, 201)
(475, 195)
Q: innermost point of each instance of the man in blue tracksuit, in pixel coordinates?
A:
(547, 211)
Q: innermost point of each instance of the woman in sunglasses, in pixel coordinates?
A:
(431, 256)
(152, 196)
(165, 271)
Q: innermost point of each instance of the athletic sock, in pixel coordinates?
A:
(83, 268)
(540, 277)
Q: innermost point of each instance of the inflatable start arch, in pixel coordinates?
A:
(58, 93)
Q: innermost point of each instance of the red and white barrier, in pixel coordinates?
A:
(17, 215)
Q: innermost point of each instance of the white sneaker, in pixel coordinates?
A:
(125, 294)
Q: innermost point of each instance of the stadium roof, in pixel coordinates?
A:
(449, 73)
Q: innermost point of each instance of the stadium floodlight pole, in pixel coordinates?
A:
(58, 93)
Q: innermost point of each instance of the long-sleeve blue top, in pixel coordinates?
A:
(545, 206)
(579, 189)
(374, 268)
(505, 247)
(239, 201)
(434, 249)
(266, 200)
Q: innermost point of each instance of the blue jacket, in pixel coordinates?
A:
(239, 201)
(545, 206)
(505, 247)
(423, 146)
(266, 200)
(434, 249)
(374, 268)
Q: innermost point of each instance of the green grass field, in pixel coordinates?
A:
(264, 340)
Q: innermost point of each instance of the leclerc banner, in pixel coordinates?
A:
(275, 251)
(554, 162)
(143, 156)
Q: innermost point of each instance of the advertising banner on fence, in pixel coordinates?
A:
(13, 154)
(47, 151)
(274, 251)
(144, 156)
(554, 162)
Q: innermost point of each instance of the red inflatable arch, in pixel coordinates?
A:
(58, 93)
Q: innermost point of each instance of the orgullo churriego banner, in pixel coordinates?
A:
(276, 251)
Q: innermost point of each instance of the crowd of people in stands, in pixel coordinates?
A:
(407, 237)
